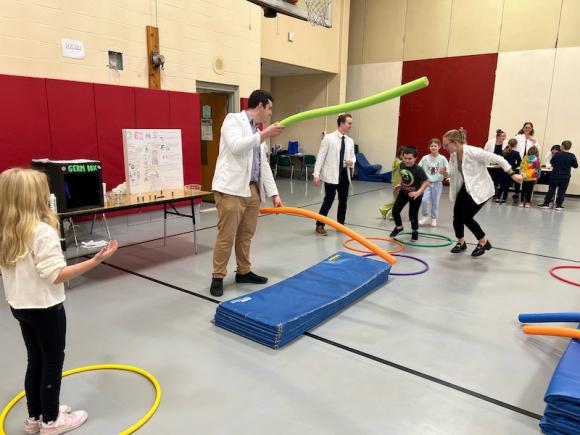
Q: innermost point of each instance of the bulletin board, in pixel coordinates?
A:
(153, 159)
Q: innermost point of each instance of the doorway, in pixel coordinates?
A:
(216, 101)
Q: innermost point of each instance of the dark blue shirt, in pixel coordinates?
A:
(562, 164)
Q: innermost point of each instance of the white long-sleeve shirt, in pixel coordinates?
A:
(327, 163)
(525, 144)
(474, 174)
(30, 282)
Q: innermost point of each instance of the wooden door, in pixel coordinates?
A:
(218, 104)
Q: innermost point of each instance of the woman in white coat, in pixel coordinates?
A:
(470, 187)
(526, 140)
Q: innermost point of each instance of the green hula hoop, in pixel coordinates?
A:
(448, 241)
(389, 94)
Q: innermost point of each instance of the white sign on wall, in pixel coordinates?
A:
(73, 49)
(153, 160)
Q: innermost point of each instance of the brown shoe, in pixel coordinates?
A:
(320, 230)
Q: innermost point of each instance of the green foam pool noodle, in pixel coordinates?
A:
(389, 94)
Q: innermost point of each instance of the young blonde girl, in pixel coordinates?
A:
(33, 271)
(530, 170)
(386, 209)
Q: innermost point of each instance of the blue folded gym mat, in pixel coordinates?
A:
(562, 414)
(278, 314)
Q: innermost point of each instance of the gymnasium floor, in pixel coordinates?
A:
(438, 353)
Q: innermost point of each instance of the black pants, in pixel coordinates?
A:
(329, 194)
(44, 332)
(516, 185)
(505, 182)
(464, 211)
(560, 184)
(527, 189)
(414, 206)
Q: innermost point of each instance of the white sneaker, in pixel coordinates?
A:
(33, 426)
(64, 423)
(433, 222)
(423, 221)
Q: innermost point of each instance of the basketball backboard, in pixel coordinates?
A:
(295, 9)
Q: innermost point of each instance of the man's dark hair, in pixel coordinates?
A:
(259, 96)
(342, 118)
(410, 150)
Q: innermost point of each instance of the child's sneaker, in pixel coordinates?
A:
(424, 220)
(544, 206)
(33, 426)
(64, 423)
(433, 222)
(528, 205)
(414, 236)
(559, 208)
(383, 211)
(521, 204)
(396, 232)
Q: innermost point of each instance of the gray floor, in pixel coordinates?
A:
(438, 353)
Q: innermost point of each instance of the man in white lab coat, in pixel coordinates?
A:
(242, 179)
(334, 165)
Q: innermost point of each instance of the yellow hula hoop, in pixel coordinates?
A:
(127, 368)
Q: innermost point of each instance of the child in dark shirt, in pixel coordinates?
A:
(414, 181)
(562, 164)
(513, 157)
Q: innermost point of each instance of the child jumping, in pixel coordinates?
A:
(33, 271)
(431, 164)
(413, 183)
(385, 209)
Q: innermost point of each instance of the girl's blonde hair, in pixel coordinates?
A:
(457, 136)
(24, 196)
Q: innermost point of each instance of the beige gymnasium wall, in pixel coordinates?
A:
(192, 34)
(536, 41)
(317, 48)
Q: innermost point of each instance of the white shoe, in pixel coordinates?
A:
(423, 221)
(64, 423)
(433, 222)
(33, 426)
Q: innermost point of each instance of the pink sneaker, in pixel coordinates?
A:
(64, 423)
(33, 426)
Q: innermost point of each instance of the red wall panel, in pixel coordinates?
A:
(151, 108)
(115, 110)
(24, 130)
(460, 93)
(184, 114)
(71, 113)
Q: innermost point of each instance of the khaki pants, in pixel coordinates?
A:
(237, 220)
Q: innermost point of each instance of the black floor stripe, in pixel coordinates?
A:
(469, 243)
(427, 377)
(355, 351)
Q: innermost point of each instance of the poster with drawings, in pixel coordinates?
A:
(153, 160)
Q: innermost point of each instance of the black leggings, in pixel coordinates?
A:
(414, 205)
(44, 333)
(527, 189)
(464, 211)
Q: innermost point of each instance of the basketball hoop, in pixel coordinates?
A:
(318, 11)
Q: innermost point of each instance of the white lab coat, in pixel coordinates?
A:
(233, 169)
(478, 182)
(490, 145)
(327, 162)
(525, 144)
